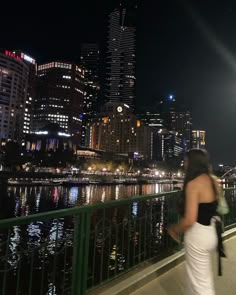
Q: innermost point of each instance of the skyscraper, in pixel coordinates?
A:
(177, 118)
(121, 54)
(155, 122)
(182, 123)
(60, 94)
(14, 75)
(89, 60)
(32, 66)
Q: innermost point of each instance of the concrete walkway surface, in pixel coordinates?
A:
(173, 282)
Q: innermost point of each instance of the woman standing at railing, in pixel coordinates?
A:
(198, 207)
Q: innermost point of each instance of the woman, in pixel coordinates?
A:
(200, 239)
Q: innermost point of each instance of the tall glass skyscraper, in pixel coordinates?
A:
(121, 54)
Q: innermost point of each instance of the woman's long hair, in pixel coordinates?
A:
(197, 163)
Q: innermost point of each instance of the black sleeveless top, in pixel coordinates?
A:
(206, 211)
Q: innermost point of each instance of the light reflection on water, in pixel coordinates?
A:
(30, 200)
(23, 201)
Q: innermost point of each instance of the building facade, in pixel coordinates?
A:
(199, 139)
(60, 96)
(181, 122)
(153, 120)
(50, 138)
(156, 123)
(118, 131)
(31, 89)
(90, 62)
(14, 74)
(121, 54)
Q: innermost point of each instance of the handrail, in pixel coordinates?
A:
(79, 248)
(85, 208)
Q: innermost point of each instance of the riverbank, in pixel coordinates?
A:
(87, 181)
(49, 179)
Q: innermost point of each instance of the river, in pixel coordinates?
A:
(26, 200)
(38, 256)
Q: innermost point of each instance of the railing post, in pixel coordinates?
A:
(81, 253)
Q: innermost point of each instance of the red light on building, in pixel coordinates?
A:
(12, 54)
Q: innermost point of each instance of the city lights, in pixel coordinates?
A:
(41, 132)
(63, 134)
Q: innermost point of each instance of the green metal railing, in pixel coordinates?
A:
(230, 218)
(69, 251)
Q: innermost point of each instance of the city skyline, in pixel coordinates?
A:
(182, 49)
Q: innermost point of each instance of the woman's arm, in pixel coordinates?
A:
(217, 182)
(191, 211)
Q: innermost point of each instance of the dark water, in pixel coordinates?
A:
(39, 256)
(22, 201)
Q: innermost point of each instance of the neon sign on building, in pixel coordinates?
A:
(12, 54)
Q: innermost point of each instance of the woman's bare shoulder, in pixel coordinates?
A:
(192, 184)
(200, 179)
(203, 180)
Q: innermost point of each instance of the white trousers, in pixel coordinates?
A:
(199, 242)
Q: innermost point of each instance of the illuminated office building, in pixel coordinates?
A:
(14, 75)
(181, 122)
(155, 121)
(89, 60)
(32, 67)
(60, 95)
(199, 139)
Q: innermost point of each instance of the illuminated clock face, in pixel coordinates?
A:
(119, 109)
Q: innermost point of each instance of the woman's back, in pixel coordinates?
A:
(207, 198)
(207, 193)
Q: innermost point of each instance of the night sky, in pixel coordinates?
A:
(187, 48)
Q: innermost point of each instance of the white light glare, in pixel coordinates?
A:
(63, 134)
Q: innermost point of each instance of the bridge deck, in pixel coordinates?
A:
(173, 282)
